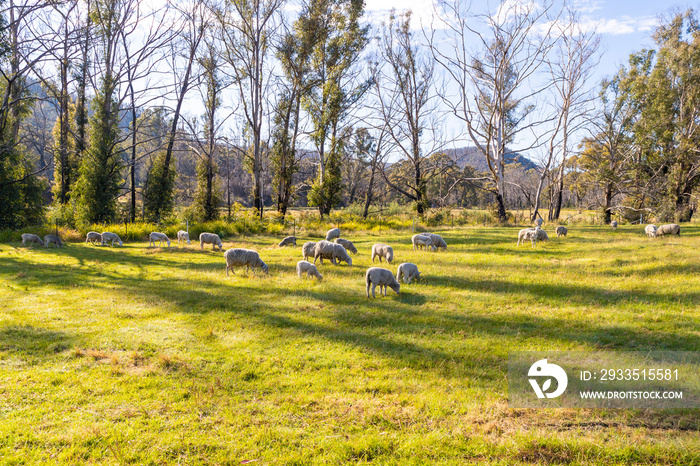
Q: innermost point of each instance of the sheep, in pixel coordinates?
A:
(613, 224)
(669, 229)
(287, 241)
(347, 244)
(210, 238)
(651, 231)
(307, 250)
(52, 239)
(541, 235)
(332, 233)
(182, 235)
(409, 272)
(334, 252)
(305, 267)
(437, 240)
(421, 241)
(93, 236)
(539, 221)
(382, 277)
(31, 239)
(525, 234)
(160, 237)
(561, 231)
(382, 251)
(107, 236)
(239, 257)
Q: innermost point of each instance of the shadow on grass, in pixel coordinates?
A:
(34, 342)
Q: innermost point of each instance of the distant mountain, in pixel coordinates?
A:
(473, 157)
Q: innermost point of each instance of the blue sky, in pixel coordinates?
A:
(625, 26)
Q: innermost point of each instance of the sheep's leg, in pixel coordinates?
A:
(367, 288)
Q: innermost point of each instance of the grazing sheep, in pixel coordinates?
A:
(107, 236)
(613, 224)
(287, 241)
(382, 277)
(239, 257)
(437, 240)
(335, 252)
(541, 235)
(538, 222)
(210, 238)
(525, 234)
(52, 239)
(669, 229)
(182, 235)
(307, 250)
(347, 244)
(561, 231)
(160, 237)
(409, 272)
(382, 251)
(421, 241)
(93, 236)
(305, 267)
(332, 233)
(30, 238)
(651, 230)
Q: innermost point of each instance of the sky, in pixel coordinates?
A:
(625, 26)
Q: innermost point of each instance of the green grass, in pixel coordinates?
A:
(137, 355)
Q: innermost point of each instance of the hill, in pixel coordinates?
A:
(473, 157)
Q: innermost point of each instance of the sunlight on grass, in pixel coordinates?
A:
(141, 355)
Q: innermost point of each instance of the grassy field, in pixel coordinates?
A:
(141, 355)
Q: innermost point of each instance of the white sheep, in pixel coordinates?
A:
(541, 235)
(419, 241)
(669, 229)
(335, 252)
(93, 236)
(382, 251)
(287, 241)
(239, 257)
(31, 239)
(108, 236)
(525, 234)
(651, 231)
(538, 222)
(561, 231)
(613, 224)
(52, 239)
(307, 250)
(305, 267)
(347, 244)
(382, 277)
(210, 238)
(409, 272)
(437, 240)
(332, 233)
(160, 237)
(183, 236)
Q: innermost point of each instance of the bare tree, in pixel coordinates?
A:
(571, 70)
(406, 99)
(246, 27)
(495, 90)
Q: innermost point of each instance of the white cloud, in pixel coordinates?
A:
(624, 25)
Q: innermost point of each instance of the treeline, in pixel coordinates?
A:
(113, 111)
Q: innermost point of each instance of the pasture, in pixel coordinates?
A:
(141, 355)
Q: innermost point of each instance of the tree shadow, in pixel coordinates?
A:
(33, 342)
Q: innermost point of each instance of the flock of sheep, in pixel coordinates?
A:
(333, 248)
(538, 234)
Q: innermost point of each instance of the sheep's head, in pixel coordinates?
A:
(265, 269)
(395, 286)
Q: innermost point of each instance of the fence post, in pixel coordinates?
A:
(294, 222)
(187, 222)
(56, 227)
(453, 220)
(126, 228)
(641, 218)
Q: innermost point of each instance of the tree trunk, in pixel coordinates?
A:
(608, 202)
(502, 217)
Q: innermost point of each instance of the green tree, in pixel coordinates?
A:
(332, 31)
(101, 167)
(665, 85)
